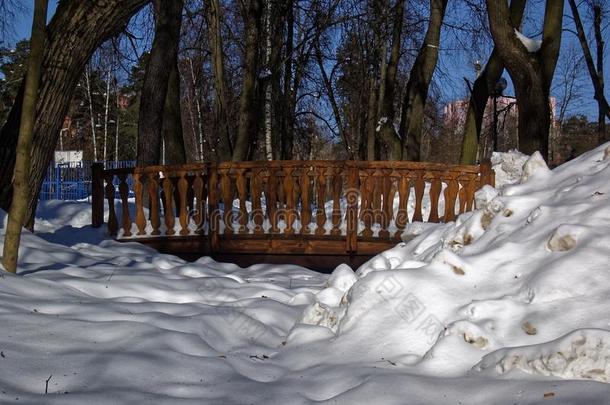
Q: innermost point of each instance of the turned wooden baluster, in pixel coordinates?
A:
(138, 189)
(321, 201)
(213, 211)
(113, 223)
(242, 194)
(153, 193)
(367, 213)
(199, 206)
(183, 186)
(471, 189)
(337, 186)
(420, 187)
(387, 212)
(451, 193)
(462, 194)
(402, 216)
(124, 192)
(290, 200)
(258, 216)
(305, 182)
(436, 187)
(271, 196)
(227, 199)
(376, 197)
(168, 205)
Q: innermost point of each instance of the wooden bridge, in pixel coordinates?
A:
(313, 213)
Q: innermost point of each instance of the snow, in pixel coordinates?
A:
(532, 45)
(505, 305)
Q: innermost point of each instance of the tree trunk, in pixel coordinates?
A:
(481, 91)
(106, 112)
(248, 108)
(532, 72)
(76, 30)
(412, 119)
(603, 109)
(221, 100)
(18, 210)
(597, 76)
(333, 102)
(91, 115)
(156, 80)
(175, 152)
(386, 101)
(287, 126)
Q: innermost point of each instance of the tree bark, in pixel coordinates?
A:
(76, 30)
(288, 109)
(18, 210)
(597, 75)
(248, 108)
(531, 72)
(221, 100)
(411, 123)
(481, 91)
(388, 113)
(156, 80)
(175, 151)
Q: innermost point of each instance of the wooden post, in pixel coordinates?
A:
(97, 195)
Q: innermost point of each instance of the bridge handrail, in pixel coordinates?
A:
(363, 195)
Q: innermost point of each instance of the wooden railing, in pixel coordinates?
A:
(309, 206)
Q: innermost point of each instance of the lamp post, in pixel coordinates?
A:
(497, 92)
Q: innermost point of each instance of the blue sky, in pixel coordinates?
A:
(457, 65)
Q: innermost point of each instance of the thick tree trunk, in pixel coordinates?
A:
(156, 80)
(411, 123)
(175, 151)
(371, 120)
(21, 195)
(481, 91)
(532, 72)
(248, 108)
(76, 30)
(221, 99)
(386, 101)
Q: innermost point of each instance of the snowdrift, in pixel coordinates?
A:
(529, 268)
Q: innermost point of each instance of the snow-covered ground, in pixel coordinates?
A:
(509, 305)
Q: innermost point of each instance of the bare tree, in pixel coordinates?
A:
(531, 70)
(83, 25)
(412, 116)
(163, 60)
(248, 108)
(482, 89)
(221, 102)
(596, 71)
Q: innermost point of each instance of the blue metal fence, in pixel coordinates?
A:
(72, 181)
